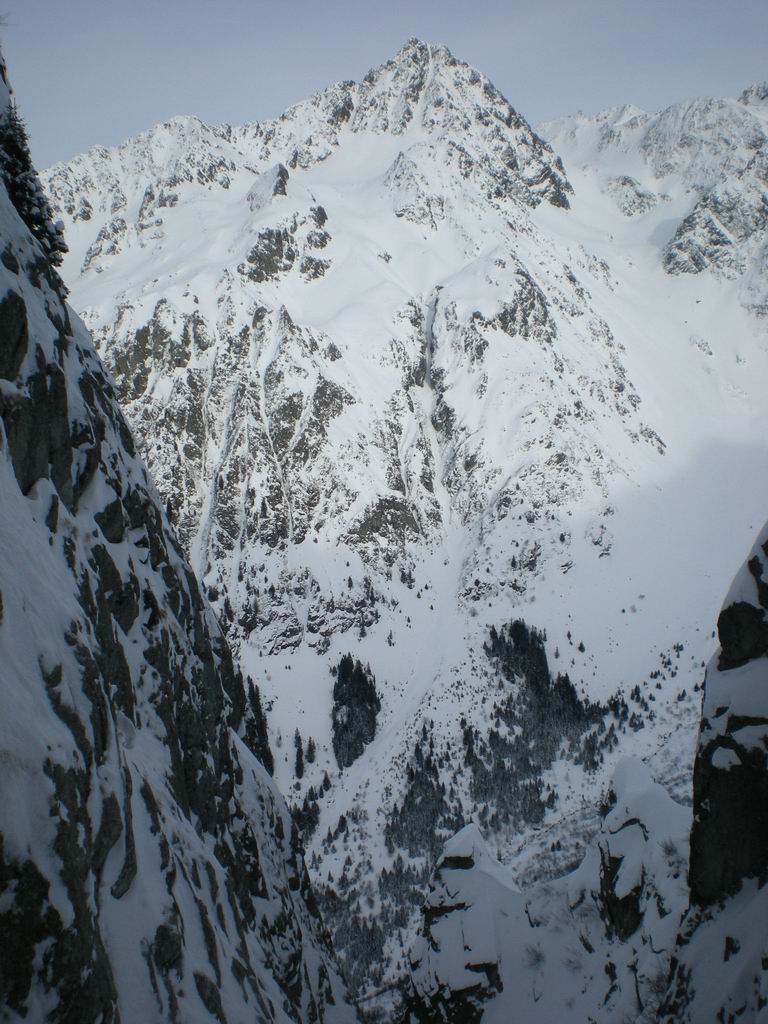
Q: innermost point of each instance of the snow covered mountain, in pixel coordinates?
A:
(415, 390)
(149, 868)
(712, 152)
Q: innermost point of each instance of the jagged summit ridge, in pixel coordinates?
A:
(426, 86)
(756, 94)
(702, 140)
(423, 89)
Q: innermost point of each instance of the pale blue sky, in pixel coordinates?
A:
(98, 71)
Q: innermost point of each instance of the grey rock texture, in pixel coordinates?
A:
(729, 841)
(720, 964)
(631, 198)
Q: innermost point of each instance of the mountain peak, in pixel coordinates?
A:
(755, 95)
(404, 82)
(425, 88)
(418, 51)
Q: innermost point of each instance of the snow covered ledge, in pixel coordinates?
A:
(594, 944)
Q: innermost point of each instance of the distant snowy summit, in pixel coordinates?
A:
(713, 150)
(424, 88)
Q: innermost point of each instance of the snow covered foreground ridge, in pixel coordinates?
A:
(149, 868)
(594, 945)
(402, 376)
(640, 931)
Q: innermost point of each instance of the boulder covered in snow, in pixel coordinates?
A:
(593, 945)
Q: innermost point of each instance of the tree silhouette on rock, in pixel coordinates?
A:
(355, 707)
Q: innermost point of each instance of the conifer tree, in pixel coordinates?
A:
(23, 185)
(256, 735)
(356, 705)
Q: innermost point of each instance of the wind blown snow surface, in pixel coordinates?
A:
(401, 375)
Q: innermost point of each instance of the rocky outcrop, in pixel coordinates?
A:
(726, 227)
(593, 945)
(630, 196)
(455, 928)
(725, 927)
(729, 841)
(149, 869)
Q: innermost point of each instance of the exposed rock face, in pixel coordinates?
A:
(593, 945)
(727, 228)
(729, 841)
(631, 198)
(149, 870)
(456, 928)
(720, 966)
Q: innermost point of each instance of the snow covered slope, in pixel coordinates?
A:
(594, 945)
(401, 376)
(712, 155)
(640, 931)
(149, 868)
